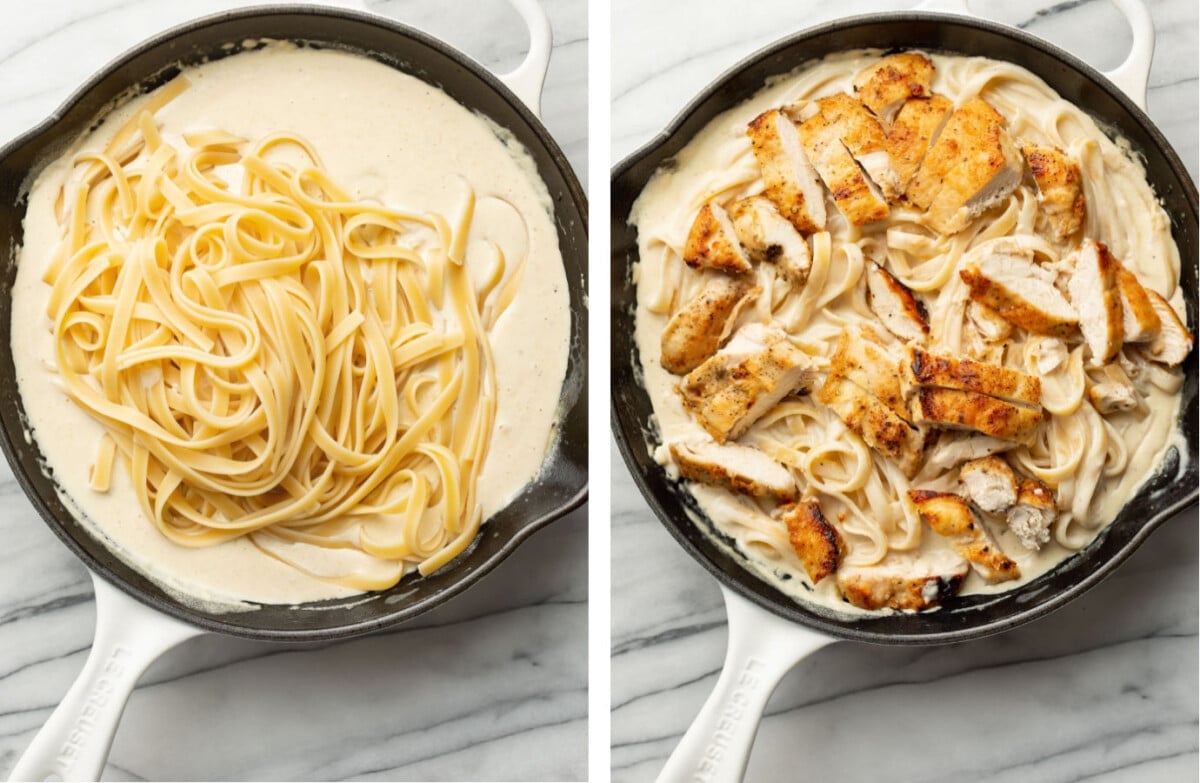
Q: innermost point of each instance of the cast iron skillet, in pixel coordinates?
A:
(969, 617)
(562, 485)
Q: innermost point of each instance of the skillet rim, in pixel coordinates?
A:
(729, 572)
(43, 137)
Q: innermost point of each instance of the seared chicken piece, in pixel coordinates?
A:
(1173, 342)
(887, 84)
(955, 448)
(904, 581)
(788, 176)
(1139, 319)
(734, 467)
(744, 380)
(899, 310)
(713, 243)
(1034, 512)
(1059, 186)
(696, 330)
(1007, 282)
(864, 138)
(950, 517)
(915, 128)
(1114, 392)
(856, 196)
(770, 238)
(922, 368)
(1095, 296)
(990, 325)
(965, 410)
(864, 362)
(873, 421)
(989, 483)
(1050, 354)
(972, 166)
(817, 543)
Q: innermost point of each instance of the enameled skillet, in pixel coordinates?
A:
(768, 631)
(136, 619)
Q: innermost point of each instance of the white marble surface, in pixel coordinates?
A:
(491, 686)
(1104, 689)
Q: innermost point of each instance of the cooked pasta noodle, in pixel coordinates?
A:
(1089, 459)
(273, 358)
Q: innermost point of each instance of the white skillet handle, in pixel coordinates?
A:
(1132, 76)
(74, 743)
(762, 648)
(528, 77)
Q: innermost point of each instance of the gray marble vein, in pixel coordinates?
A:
(491, 686)
(1103, 690)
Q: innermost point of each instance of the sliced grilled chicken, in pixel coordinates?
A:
(924, 369)
(1050, 353)
(770, 238)
(864, 138)
(900, 311)
(734, 467)
(904, 581)
(1139, 319)
(1007, 282)
(1113, 392)
(952, 518)
(989, 483)
(886, 85)
(963, 410)
(696, 330)
(1030, 518)
(954, 448)
(745, 379)
(862, 361)
(856, 196)
(788, 176)
(1095, 296)
(914, 130)
(1173, 342)
(990, 325)
(877, 424)
(817, 543)
(712, 242)
(1060, 188)
(972, 166)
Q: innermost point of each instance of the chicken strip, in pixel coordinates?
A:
(1030, 518)
(914, 130)
(952, 518)
(990, 325)
(770, 238)
(1007, 282)
(712, 242)
(972, 166)
(904, 581)
(965, 410)
(922, 368)
(861, 360)
(1173, 342)
(817, 543)
(989, 483)
(1114, 392)
(788, 177)
(1060, 188)
(863, 137)
(1139, 319)
(856, 196)
(879, 427)
(696, 330)
(900, 311)
(734, 467)
(886, 85)
(1095, 296)
(744, 380)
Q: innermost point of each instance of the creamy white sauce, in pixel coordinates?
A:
(718, 162)
(381, 135)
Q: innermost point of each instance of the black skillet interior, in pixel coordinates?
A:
(1173, 488)
(562, 485)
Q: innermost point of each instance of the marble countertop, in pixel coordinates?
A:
(491, 686)
(1104, 689)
